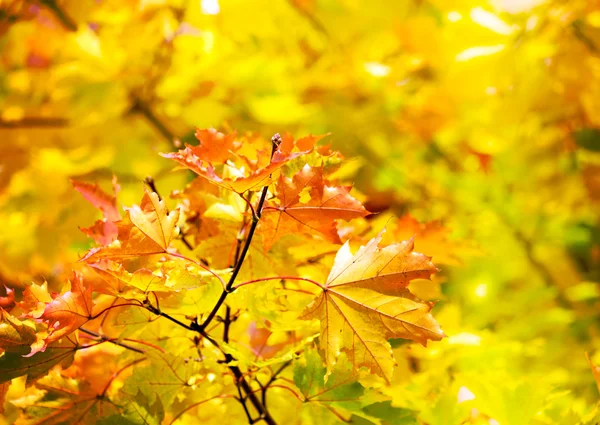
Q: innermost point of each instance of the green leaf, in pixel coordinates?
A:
(327, 402)
(383, 413)
(588, 138)
(13, 365)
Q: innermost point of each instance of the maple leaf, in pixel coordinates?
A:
(595, 370)
(99, 198)
(146, 229)
(249, 165)
(8, 302)
(307, 204)
(214, 146)
(66, 313)
(433, 238)
(35, 298)
(365, 302)
(15, 336)
(175, 278)
(102, 231)
(331, 400)
(14, 364)
(67, 400)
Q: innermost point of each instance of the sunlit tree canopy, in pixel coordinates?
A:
(300, 212)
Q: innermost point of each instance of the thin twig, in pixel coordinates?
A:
(264, 279)
(276, 140)
(111, 340)
(144, 109)
(271, 380)
(149, 181)
(65, 20)
(32, 122)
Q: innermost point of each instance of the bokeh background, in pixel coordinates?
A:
(480, 119)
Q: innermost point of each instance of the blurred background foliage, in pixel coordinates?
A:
(480, 118)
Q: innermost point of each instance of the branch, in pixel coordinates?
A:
(314, 22)
(271, 380)
(276, 141)
(139, 106)
(577, 27)
(65, 20)
(191, 406)
(241, 382)
(264, 279)
(32, 122)
(111, 340)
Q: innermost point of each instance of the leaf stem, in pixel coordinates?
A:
(202, 266)
(264, 279)
(271, 380)
(191, 406)
(143, 108)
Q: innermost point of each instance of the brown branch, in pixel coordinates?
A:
(276, 140)
(241, 382)
(273, 378)
(149, 181)
(577, 28)
(32, 122)
(111, 340)
(314, 22)
(141, 107)
(65, 20)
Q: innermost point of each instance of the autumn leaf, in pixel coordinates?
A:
(327, 401)
(307, 204)
(153, 219)
(69, 401)
(214, 146)
(164, 377)
(167, 279)
(7, 302)
(432, 237)
(102, 231)
(595, 371)
(15, 336)
(35, 298)
(249, 167)
(60, 352)
(99, 198)
(365, 302)
(66, 313)
(146, 229)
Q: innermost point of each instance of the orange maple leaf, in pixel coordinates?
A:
(306, 203)
(146, 229)
(365, 302)
(247, 162)
(66, 313)
(103, 231)
(214, 146)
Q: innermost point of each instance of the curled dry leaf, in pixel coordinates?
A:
(365, 302)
